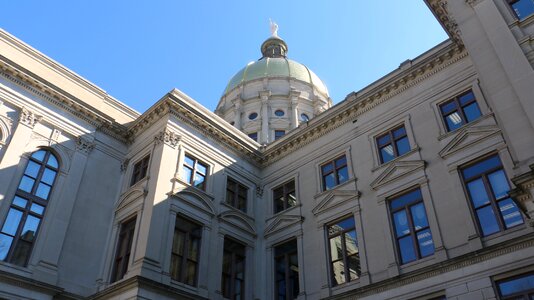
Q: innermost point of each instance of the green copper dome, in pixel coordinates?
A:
(275, 64)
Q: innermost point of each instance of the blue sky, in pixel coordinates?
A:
(139, 50)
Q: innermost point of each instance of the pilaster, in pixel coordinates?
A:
(264, 96)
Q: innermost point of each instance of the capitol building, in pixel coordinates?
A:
(419, 186)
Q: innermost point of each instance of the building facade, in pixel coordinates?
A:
(419, 186)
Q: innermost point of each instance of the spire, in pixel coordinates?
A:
(274, 46)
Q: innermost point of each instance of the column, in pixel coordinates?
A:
(264, 96)
(294, 101)
(238, 110)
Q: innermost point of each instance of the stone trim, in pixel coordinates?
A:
(439, 8)
(84, 146)
(167, 137)
(28, 118)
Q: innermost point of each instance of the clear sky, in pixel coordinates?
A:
(139, 50)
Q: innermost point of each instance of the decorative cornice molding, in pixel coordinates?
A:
(472, 3)
(28, 118)
(124, 165)
(167, 137)
(83, 145)
(449, 23)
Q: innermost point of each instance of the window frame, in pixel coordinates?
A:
(286, 191)
(140, 170)
(120, 264)
(413, 232)
(514, 13)
(30, 198)
(233, 266)
(194, 171)
(335, 171)
(393, 142)
(237, 188)
(459, 108)
(286, 256)
(345, 256)
(277, 133)
(184, 257)
(526, 294)
(489, 193)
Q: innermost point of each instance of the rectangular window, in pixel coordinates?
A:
(392, 144)
(140, 170)
(124, 248)
(344, 254)
(459, 111)
(334, 172)
(410, 224)
(233, 271)
(284, 196)
(185, 251)
(278, 134)
(286, 271)
(522, 8)
(487, 187)
(253, 136)
(518, 287)
(236, 195)
(195, 172)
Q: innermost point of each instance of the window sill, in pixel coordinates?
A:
(238, 211)
(15, 269)
(322, 193)
(187, 185)
(524, 22)
(505, 235)
(455, 131)
(283, 212)
(414, 150)
(420, 263)
(340, 288)
(137, 184)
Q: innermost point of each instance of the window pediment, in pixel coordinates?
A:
(334, 199)
(397, 170)
(196, 199)
(468, 137)
(281, 222)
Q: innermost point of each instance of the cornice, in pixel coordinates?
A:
(439, 8)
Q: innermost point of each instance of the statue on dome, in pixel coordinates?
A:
(274, 28)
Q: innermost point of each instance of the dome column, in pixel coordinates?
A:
(264, 96)
(238, 111)
(294, 101)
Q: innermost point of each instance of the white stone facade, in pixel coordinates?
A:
(127, 183)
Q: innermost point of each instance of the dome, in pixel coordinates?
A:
(276, 67)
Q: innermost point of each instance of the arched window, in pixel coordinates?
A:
(23, 220)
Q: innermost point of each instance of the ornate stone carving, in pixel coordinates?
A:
(168, 137)
(259, 191)
(83, 145)
(55, 135)
(28, 118)
(124, 164)
(440, 9)
(523, 193)
(472, 3)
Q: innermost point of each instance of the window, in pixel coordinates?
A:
(412, 233)
(304, 117)
(334, 172)
(253, 136)
(286, 270)
(344, 254)
(522, 8)
(253, 116)
(278, 134)
(124, 248)
(392, 144)
(185, 251)
(27, 208)
(487, 187)
(195, 172)
(236, 195)
(279, 113)
(460, 111)
(284, 196)
(518, 287)
(233, 271)
(140, 170)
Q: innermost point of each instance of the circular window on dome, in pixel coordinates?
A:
(279, 113)
(253, 116)
(304, 117)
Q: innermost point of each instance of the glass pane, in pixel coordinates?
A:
(327, 168)
(510, 213)
(279, 113)
(176, 266)
(202, 168)
(466, 98)
(386, 153)
(407, 250)
(329, 181)
(351, 243)
(12, 221)
(52, 161)
(190, 273)
(341, 161)
(36, 208)
(338, 269)
(178, 242)
(403, 145)
(354, 266)
(419, 216)
(30, 228)
(342, 175)
(278, 204)
(189, 161)
(48, 176)
(242, 204)
(478, 193)
(481, 167)
(487, 220)
(291, 199)
(399, 132)
(345, 224)
(499, 184)
(199, 181)
(21, 253)
(383, 140)
(454, 121)
(426, 245)
(42, 191)
(523, 8)
(517, 285)
(39, 155)
(448, 107)
(26, 184)
(32, 169)
(20, 202)
(401, 223)
(336, 250)
(193, 249)
(471, 112)
(5, 244)
(304, 117)
(186, 174)
(406, 199)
